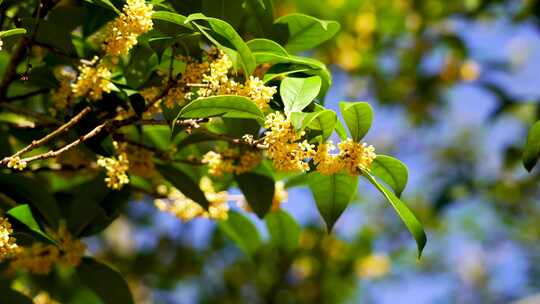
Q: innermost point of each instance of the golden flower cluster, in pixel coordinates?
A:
(37, 259)
(186, 209)
(16, 163)
(219, 83)
(285, 149)
(41, 258)
(140, 160)
(122, 33)
(8, 247)
(231, 161)
(352, 157)
(60, 96)
(93, 80)
(116, 167)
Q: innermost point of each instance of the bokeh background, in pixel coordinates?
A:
(455, 86)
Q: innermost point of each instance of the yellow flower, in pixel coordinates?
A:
(284, 148)
(255, 89)
(356, 156)
(231, 161)
(122, 33)
(72, 249)
(116, 168)
(8, 247)
(37, 259)
(140, 160)
(373, 266)
(470, 70)
(186, 209)
(16, 163)
(60, 96)
(326, 162)
(93, 80)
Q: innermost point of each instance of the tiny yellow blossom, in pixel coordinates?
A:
(255, 90)
(93, 80)
(72, 249)
(326, 162)
(231, 161)
(16, 163)
(186, 209)
(37, 259)
(356, 156)
(470, 70)
(122, 33)
(373, 266)
(61, 95)
(140, 160)
(8, 246)
(284, 148)
(116, 170)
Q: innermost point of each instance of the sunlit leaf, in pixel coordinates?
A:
(392, 171)
(358, 116)
(306, 32)
(298, 93)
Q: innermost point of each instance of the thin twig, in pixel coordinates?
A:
(37, 143)
(54, 153)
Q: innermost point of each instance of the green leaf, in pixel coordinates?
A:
(225, 30)
(107, 283)
(242, 232)
(306, 32)
(10, 296)
(413, 225)
(266, 45)
(298, 93)
(24, 215)
(172, 18)
(332, 193)
(532, 147)
(12, 32)
(106, 4)
(283, 229)
(28, 190)
(225, 105)
(358, 117)
(184, 183)
(392, 171)
(324, 120)
(258, 190)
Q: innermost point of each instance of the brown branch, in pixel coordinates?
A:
(37, 143)
(54, 153)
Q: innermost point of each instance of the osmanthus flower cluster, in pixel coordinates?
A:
(41, 258)
(185, 111)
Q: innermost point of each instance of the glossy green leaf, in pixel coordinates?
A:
(225, 105)
(306, 32)
(172, 18)
(298, 93)
(266, 45)
(225, 30)
(106, 4)
(358, 116)
(27, 190)
(283, 229)
(242, 232)
(184, 183)
(24, 215)
(332, 193)
(392, 171)
(413, 225)
(532, 147)
(12, 32)
(107, 283)
(324, 120)
(258, 190)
